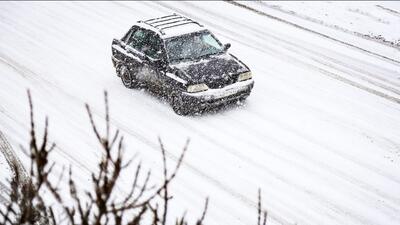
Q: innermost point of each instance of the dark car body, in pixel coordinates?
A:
(143, 58)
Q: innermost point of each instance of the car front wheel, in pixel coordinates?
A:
(179, 106)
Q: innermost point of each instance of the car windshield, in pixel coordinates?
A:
(192, 46)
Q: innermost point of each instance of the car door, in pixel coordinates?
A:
(129, 52)
(147, 46)
(139, 63)
(155, 57)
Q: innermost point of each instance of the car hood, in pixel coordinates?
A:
(216, 71)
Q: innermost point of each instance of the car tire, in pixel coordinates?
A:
(128, 77)
(179, 106)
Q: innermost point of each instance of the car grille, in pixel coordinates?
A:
(220, 83)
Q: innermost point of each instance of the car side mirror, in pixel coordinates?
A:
(227, 46)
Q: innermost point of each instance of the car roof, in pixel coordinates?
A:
(171, 25)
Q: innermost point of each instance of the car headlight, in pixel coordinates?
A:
(197, 88)
(244, 76)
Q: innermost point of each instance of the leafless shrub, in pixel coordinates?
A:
(27, 205)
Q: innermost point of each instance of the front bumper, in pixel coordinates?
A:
(215, 97)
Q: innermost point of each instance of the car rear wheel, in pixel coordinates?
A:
(128, 77)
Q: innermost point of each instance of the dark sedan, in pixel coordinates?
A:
(179, 59)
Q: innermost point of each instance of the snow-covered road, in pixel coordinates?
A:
(320, 134)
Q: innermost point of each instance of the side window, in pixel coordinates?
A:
(147, 42)
(153, 46)
(126, 37)
(137, 39)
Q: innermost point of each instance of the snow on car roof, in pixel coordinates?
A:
(172, 25)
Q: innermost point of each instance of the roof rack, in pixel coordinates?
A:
(166, 22)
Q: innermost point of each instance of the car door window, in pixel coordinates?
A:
(127, 36)
(146, 42)
(137, 39)
(153, 46)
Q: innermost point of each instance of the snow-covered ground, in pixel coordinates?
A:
(369, 19)
(320, 134)
(341, 20)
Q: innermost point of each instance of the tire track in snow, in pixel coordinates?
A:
(309, 30)
(333, 62)
(336, 27)
(388, 10)
(330, 61)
